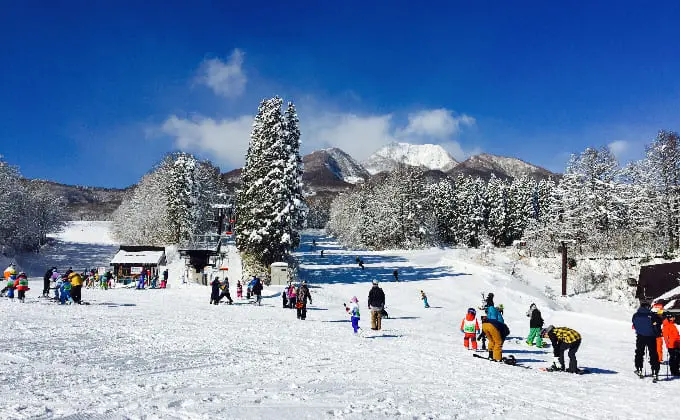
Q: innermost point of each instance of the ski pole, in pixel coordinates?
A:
(668, 364)
(643, 360)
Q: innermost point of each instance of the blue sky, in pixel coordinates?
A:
(96, 92)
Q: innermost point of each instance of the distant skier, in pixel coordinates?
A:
(164, 281)
(225, 291)
(563, 339)
(21, 286)
(302, 296)
(322, 253)
(672, 337)
(423, 297)
(257, 290)
(239, 289)
(395, 273)
(65, 292)
(215, 292)
(376, 303)
(292, 296)
(470, 327)
(535, 325)
(647, 327)
(141, 280)
(9, 288)
(353, 310)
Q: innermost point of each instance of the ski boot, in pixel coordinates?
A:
(639, 373)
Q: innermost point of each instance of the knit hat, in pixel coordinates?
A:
(375, 281)
(354, 299)
(547, 330)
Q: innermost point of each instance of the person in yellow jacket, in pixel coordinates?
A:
(76, 287)
(493, 330)
(563, 339)
(10, 271)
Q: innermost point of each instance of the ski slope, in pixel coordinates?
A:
(169, 354)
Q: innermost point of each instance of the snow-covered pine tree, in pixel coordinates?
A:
(295, 208)
(520, 207)
(442, 198)
(182, 195)
(496, 208)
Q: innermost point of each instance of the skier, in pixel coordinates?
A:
(225, 291)
(257, 290)
(21, 286)
(302, 295)
(292, 297)
(76, 287)
(423, 297)
(11, 281)
(47, 278)
(563, 339)
(353, 310)
(65, 292)
(395, 273)
(470, 327)
(672, 338)
(141, 280)
(164, 282)
(535, 325)
(9, 271)
(239, 289)
(647, 327)
(657, 308)
(215, 292)
(284, 298)
(376, 303)
(57, 279)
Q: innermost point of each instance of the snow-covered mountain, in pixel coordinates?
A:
(428, 156)
(336, 163)
(484, 164)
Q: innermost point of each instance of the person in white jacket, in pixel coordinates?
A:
(353, 311)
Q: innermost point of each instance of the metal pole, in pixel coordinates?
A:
(564, 268)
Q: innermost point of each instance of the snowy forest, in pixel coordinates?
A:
(270, 207)
(170, 203)
(28, 212)
(605, 208)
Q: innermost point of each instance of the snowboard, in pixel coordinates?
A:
(580, 372)
(510, 361)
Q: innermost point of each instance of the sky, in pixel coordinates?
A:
(96, 92)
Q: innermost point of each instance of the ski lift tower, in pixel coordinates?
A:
(563, 248)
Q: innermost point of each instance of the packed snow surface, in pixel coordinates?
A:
(169, 354)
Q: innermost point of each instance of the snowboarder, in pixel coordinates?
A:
(353, 310)
(21, 286)
(239, 289)
(376, 303)
(470, 327)
(647, 327)
(257, 290)
(563, 339)
(302, 295)
(535, 325)
(672, 338)
(423, 297)
(488, 303)
(47, 278)
(495, 333)
(215, 292)
(395, 273)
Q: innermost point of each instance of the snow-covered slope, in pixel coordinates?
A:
(502, 167)
(429, 156)
(169, 354)
(333, 162)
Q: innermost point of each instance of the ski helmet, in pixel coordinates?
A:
(472, 311)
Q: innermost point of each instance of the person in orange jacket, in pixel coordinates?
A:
(658, 308)
(672, 337)
(470, 327)
(21, 286)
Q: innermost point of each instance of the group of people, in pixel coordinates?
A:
(15, 282)
(296, 297)
(653, 328)
(148, 280)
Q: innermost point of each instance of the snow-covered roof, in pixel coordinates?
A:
(138, 257)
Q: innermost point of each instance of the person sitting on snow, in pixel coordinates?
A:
(563, 339)
(470, 327)
(535, 325)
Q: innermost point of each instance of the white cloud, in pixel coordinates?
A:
(225, 140)
(225, 79)
(619, 148)
(435, 123)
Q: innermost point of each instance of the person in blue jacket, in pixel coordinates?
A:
(647, 325)
(65, 292)
(494, 314)
(140, 281)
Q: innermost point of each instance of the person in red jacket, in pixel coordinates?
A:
(672, 337)
(21, 286)
(470, 327)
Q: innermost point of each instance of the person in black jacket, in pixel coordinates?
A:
(376, 303)
(302, 295)
(257, 290)
(535, 325)
(215, 292)
(647, 326)
(46, 281)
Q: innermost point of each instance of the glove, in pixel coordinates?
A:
(462, 331)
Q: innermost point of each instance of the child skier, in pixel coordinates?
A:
(424, 299)
(65, 292)
(353, 311)
(21, 285)
(239, 289)
(470, 327)
(11, 279)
